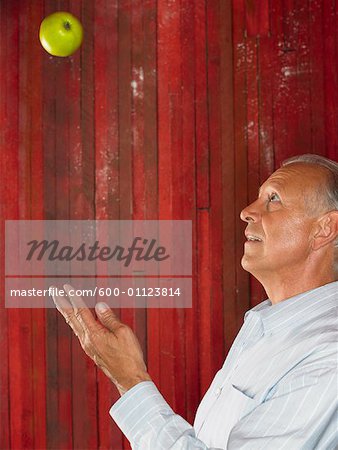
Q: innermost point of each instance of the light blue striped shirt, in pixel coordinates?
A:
(277, 389)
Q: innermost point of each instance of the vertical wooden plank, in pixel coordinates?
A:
(137, 110)
(163, 189)
(151, 167)
(124, 104)
(19, 325)
(106, 113)
(9, 33)
(176, 345)
(83, 370)
(49, 195)
(34, 88)
(253, 141)
(292, 93)
(56, 180)
(240, 151)
(330, 22)
(62, 68)
(87, 106)
(168, 87)
(302, 89)
(216, 182)
(150, 108)
(266, 60)
(106, 174)
(20, 387)
(182, 148)
(63, 431)
(204, 301)
(125, 119)
(145, 178)
(267, 54)
(125, 125)
(303, 95)
(4, 375)
(49, 89)
(316, 55)
(228, 175)
(252, 119)
(4, 346)
(285, 89)
(201, 109)
(189, 390)
(49, 81)
(174, 48)
(257, 17)
(279, 47)
(205, 132)
(137, 132)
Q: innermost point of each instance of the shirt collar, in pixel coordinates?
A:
(297, 310)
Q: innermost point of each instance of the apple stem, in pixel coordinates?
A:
(67, 25)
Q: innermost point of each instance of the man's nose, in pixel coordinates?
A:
(250, 213)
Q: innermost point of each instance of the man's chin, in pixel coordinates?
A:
(249, 264)
(245, 263)
(257, 267)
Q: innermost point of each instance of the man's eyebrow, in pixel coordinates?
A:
(274, 185)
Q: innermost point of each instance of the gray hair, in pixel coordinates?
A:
(331, 188)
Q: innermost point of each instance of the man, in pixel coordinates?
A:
(278, 387)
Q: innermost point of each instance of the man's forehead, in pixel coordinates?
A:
(278, 179)
(296, 176)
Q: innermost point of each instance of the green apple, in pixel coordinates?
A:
(61, 34)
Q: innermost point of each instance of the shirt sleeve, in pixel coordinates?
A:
(301, 414)
(148, 422)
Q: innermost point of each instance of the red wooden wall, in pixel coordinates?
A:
(173, 110)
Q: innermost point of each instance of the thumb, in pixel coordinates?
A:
(107, 317)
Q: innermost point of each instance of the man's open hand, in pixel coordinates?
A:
(111, 344)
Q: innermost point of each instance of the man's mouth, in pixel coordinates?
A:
(252, 238)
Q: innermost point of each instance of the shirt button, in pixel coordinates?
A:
(217, 392)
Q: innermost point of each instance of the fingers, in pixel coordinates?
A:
(67, 311)
(79, 317)
(75, 312)
(107, 317)
(81, 313)
(76, 300)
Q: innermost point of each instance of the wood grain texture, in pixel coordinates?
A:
(170, 110)
(9, 31)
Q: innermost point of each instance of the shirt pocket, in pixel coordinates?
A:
(243, 401)
(226, 409)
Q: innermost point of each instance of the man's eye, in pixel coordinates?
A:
(274, 197)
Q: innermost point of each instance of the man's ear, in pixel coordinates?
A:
(326, 230)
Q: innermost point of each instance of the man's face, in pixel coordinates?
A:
(282, 220)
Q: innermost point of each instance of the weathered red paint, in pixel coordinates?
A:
(170, 110)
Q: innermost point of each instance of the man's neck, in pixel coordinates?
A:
(279, 288)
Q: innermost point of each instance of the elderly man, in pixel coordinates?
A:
(278, 387)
